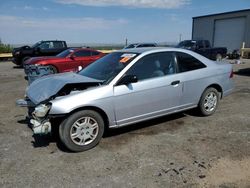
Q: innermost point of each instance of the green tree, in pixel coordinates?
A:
(5, 48)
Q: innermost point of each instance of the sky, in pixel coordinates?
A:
(105, 21)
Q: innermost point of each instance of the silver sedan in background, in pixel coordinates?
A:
(123, 88)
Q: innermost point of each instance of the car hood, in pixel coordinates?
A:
(35, 60)
(19, 49)
(48, 86)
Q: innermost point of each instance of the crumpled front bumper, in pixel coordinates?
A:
(40, 127)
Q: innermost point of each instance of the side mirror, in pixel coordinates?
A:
(128, 79)
(72, 57)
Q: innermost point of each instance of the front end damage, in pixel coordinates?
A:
(38, 116)
(44, 90)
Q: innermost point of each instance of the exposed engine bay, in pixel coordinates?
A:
(74, 88)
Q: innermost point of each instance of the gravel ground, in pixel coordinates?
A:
(181, 150)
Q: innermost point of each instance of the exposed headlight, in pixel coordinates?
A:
(17, 53)
(41, 110)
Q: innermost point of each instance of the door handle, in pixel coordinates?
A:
(175, 82)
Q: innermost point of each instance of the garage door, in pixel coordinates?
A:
(229, 33)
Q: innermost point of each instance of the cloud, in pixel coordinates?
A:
(16, 29)
(45, 8)
(26, 7)
(162, 4)
(30, 8)
(86, 23)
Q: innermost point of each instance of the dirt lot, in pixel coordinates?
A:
(181, 150)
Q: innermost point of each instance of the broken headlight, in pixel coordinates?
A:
(41, 110)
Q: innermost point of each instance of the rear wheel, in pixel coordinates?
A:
(82, 130)
(209, 101)
(218, 57)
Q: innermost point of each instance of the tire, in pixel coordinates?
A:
(209, 101)
(24, 59)
(218, 57)
(53, 69)
(82, 130)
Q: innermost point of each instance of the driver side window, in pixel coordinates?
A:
(154, 65)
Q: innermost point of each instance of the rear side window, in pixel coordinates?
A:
(146, 45)
(187, 62)
(58, 44)
(93, 53)
(82, 53)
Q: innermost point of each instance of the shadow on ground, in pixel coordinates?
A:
(17, 67)
(149, 126)
(243, 72)
(173, 121)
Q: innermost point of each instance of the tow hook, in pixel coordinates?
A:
(40, 127)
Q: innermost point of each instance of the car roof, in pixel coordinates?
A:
(143, 43)
(151, 49)
(148, 50)
(80, 48)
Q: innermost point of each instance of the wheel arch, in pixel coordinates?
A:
(53, 66)
(217, 87)
(96, 109)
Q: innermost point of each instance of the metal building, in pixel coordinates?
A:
(229, 29)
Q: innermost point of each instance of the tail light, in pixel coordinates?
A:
(231, 74)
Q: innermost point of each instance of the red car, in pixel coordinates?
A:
(68, 60)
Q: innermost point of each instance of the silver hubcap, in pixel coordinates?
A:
(84, 131)
(52, 70)
(210, 101)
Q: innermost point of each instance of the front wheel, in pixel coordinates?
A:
(23, 60)
(82, 130)
(52, 69)
(209, 102)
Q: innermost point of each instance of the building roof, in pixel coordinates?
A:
(218, 14)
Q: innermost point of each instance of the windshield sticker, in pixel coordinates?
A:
(126, 57)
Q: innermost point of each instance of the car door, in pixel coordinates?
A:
(83, 57)
(157, 91)
(44, 49)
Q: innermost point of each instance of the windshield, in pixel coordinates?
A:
(186, 44)
(65, 53)
(36, 44)
(109, 66)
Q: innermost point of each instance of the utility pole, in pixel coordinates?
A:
(126, 42)
(180, 37)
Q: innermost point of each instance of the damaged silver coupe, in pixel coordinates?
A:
(123, 88)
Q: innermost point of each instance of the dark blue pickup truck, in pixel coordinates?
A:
(42, 48)
(204, 48)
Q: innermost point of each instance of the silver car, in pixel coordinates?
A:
(123, 88)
